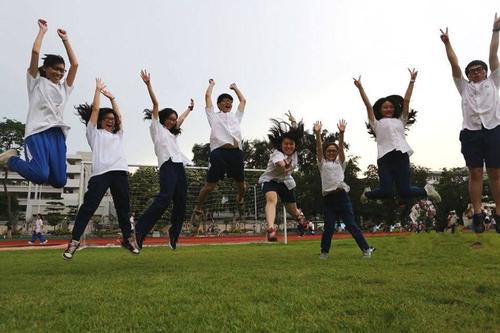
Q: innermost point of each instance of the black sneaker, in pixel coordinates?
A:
(130, 244)
(71, 249)
(497, 223)
(172, 241)
(478, 223)
(140, 240)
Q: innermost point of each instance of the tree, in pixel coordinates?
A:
(453, 188)
(11, 137)
(201, 153)
(54, 213)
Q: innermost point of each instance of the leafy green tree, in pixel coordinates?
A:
(201, 152)
(54, 213)
(453, 188)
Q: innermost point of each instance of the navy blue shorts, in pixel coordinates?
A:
(286, 195)
(226, 162)
(481, 147)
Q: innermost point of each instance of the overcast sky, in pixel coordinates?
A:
(298, 55)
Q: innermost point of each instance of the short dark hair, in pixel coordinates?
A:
(163, 115)
(395, 100)
(85, 110)
(222, 96)
(49, 60)
(475, 63)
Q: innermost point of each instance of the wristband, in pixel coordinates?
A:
(412, 81)
(496, 30)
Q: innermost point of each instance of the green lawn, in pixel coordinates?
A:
(421, 283)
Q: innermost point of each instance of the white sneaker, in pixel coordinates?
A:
(432, 193)
(4, 157)
(368, 252)
(31, 243)
(364, 199)
(323, 256)
(71, 249)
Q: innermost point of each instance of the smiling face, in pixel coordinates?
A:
(171, 121)
(55, 72)
(288, 146)
(387, 109)
(108, 122)
(225, 105)
(331, 152)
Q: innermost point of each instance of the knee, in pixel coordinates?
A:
(41, 177)
(476, 174)
(58, 182)
(209, 187)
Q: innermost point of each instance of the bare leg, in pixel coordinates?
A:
(271, 202)
(476, 188)
(241, 187)
(204, 192)
(494, 177)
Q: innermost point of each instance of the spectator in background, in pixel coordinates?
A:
(38, 231)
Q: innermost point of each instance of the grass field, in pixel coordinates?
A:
(420, 283)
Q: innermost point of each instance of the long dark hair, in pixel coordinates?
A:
(397, 101)
(85, 110)
(49, 60)
(281, 130)
(163, 115)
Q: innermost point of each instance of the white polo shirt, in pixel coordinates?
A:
(165, 143)
(225, 128)
(390, 134)
(332, 176)
(46, 105)
(108, 153)
(480, 102)
(274, 172)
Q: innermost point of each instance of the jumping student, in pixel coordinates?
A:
(45, 132)
(277, 180)
(480, 135)
(336, 202)
(109, 169)
(388, 117)
(164, 129)
(226, 154)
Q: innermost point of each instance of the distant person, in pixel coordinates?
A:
(480, 135)
(132, 221)
(336, 203)
(38, 231)
(388, 118)
(45, 130)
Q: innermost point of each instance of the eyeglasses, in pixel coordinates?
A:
(109, 118)
(59, 69)
(476, 70)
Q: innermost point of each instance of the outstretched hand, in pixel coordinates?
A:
(291, 118)
(211, 82)
(145, 76)
(63, 34)
(357, 82)
(99, 84)
(317, 127)
(496, 23)
(42, 25)
(342, 125)
(444, 36)
(413, 74)
(107, 93)
(233, 86)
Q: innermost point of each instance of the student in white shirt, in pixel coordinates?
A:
(480, 134)
(277, 180)
(165, 127)
(45, 131)
(109, 169)
(336, 202)
(226, 154)
(387, 118)
(38, 232)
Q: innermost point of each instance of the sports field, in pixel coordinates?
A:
(418, 283)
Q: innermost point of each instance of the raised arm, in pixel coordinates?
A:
(493, 59)
(291, 119)
(73, 62)
(208, 94)
(96, 103)
(241, 98)
(456, 72)
(146, 77)
(341, 126)
(37, 45)
(366, 101)
(184, 115)
(319, 143)
(409, 91)
(114, 105)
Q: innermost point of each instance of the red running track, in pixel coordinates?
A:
(189, 240)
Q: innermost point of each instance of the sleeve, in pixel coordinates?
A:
(210, 115)
(91, 134)
(460, 84)
(374, 125)
(277, 156)
(343, 165)
(153, 129)
(31, 81)
(67, 88)
(495, 76)
(239, 115)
